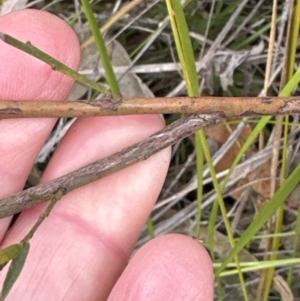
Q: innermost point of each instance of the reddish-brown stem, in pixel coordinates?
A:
(228, 106)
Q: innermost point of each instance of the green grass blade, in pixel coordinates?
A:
(274, 203)
(292, 51)
(250, 140)
(187, 60)
(150, 227)
(296, 240)
(183, 46)
(258, 265)
(200, 168)
(110, 75)
(10, 253)
(14, 271)
(291, 85)
(222, 206)
(286, 91)
(264, 215)
(55, 64)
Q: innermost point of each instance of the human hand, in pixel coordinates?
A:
(81, 251)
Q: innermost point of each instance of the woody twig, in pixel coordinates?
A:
(227, 106)
(101, 168)
(212, 109)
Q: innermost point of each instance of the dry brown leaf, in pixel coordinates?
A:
(220, 134)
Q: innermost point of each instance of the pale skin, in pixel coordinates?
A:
(82, 251)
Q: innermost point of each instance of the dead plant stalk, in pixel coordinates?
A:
(209, 111)
(230, 107)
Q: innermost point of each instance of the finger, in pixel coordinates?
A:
(88, 238)
(25, 77)
(171, 267)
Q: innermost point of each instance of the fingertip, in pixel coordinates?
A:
(94, 138)
(24, 77)
(170, 267)
(101, 221)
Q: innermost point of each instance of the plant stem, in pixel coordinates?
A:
(110, 75)
(229, 107)
(54, 63)
(103, 167)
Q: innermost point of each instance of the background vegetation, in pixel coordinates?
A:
(224, 183)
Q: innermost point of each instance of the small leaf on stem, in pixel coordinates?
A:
(14, 271)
